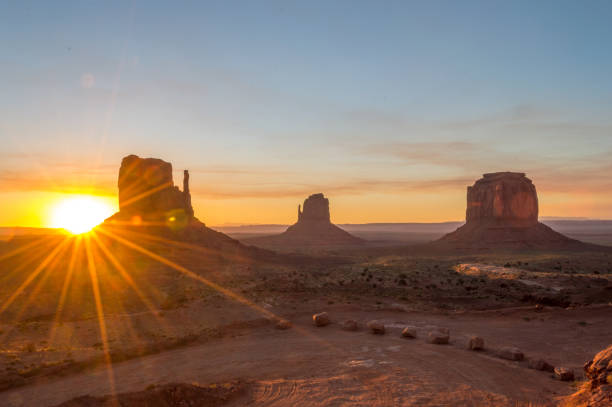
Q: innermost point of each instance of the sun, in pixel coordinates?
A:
(80, 213)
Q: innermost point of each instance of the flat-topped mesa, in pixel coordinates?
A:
(502, 212)
(316, 208)
(506, 198)
(146, 189)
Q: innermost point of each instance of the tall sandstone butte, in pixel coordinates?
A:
(146, 189)
(316, 208)
(502, 212)
(507, 198)
(150, 203)
(313, 228)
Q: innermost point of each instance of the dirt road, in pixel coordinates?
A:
(306, 365)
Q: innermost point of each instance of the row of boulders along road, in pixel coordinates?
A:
(441, 336)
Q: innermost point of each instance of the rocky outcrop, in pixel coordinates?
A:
(599, 369)
(597, 391)
(147, 190)
(313, 228)
(502, 212)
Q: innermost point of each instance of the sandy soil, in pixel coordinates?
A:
(202, 317)
(306, 365)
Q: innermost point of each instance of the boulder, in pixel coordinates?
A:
(283, 324)
(476, 343)
(350, 325)
(438, 337)
(510, 353)
(321, 319)
(409, 332)
(376, 327)
(564, 374)
(540, 364)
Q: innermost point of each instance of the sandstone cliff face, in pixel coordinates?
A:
(503, 197)
(146, 189)
(316, 208)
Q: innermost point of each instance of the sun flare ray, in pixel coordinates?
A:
(184, 245)
(67, 279)
(23, 248)
(228, 293)
(25, 262)
(124, 273)
(93, 274)
(189, 273)
(34, 274)
(46, 272)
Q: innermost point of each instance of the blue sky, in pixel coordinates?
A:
(391, 108)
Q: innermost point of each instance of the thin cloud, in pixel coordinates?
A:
(59, 181)
(350, 187)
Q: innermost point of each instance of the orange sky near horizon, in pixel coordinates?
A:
(34, 208)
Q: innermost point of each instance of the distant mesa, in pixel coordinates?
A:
(502, 212)
(313, 228)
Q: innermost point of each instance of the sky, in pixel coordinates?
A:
(390, 108)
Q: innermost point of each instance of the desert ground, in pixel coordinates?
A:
(215, 334)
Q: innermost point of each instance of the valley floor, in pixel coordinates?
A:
(307, 365)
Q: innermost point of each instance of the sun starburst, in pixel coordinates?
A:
(80, 213)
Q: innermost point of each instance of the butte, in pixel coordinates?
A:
(502, 212)
(152, 207)
(312, 229)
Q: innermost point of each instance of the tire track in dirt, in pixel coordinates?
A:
(288, 368)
